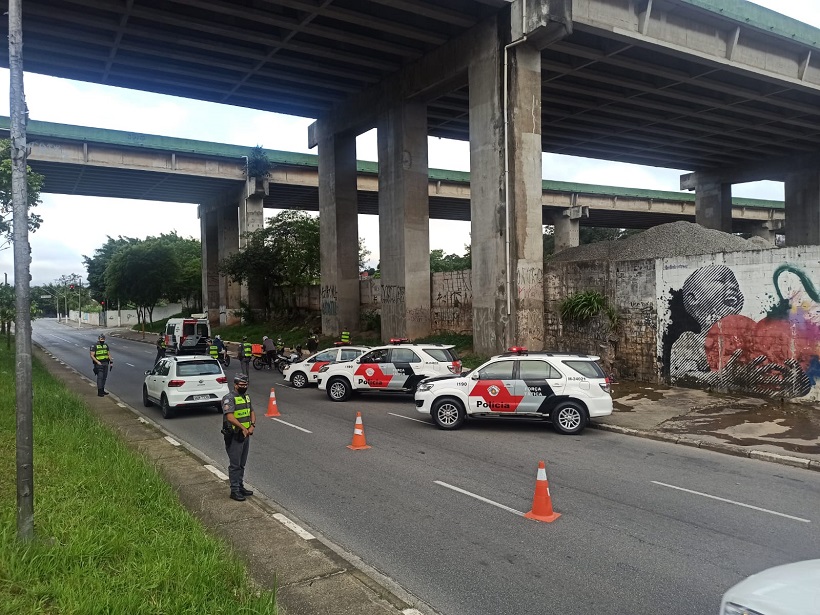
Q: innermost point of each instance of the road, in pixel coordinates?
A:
(646, 526)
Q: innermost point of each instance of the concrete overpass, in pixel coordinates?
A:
(713, 86)
(118, 164)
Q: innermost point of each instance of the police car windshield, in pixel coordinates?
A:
(442, 354)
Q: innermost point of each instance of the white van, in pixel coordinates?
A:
(187, 335)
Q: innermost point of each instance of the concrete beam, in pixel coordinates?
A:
(442, 70)
(228, 243)
(209, 236)
(803, 209)
(775, 169)
(568, 227)
(252, 219)
(713, 206)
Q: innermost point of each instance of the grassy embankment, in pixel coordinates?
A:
(294, 331)
(111, 536)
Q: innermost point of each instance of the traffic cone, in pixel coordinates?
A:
(272, 409)
(541, 502)
(359, 443)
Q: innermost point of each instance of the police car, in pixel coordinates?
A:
(399, 366)
(307, 372)
(568, 389)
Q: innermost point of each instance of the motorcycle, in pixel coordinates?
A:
(224, 358)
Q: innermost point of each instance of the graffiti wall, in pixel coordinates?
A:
(451, 301)
(742, 321)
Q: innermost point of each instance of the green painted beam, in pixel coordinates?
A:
(121, 138)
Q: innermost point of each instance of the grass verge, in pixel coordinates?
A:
(111, 536)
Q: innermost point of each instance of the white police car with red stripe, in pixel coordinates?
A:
(567, 389)
(397, 367)
(306, 372)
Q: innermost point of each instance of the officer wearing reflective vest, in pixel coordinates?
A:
(101, 357)
(238, 423)
(213, 349)
(245, 355)
(160, 349)
(345, 337)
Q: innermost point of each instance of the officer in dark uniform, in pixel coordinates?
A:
(213, 349)
(238, 424)
(101, 356)
(160, 349)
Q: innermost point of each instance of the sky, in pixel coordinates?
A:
(75, 226)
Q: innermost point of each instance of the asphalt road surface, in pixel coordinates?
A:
(647, 527)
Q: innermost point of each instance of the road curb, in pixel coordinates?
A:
(718, 447)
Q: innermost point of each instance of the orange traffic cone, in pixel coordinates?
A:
(272, 409)
(359, 443)
(541, 502)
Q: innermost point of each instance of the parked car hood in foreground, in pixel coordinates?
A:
(792, 589)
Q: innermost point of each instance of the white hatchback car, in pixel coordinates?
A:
(397, 367)
(568, 389)
(792, 589)
(184, 381)
(306, 372)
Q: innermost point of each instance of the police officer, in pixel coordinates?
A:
(238, 423)
(101, 356)
(245, 356)
(313, 343)
(345, 337)
(160, 348)
(213, 349)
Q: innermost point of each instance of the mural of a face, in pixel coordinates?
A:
(711, 293)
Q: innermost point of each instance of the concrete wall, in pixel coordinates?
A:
(123, 318)
(742, 321)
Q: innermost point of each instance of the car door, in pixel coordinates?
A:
(407, 366)
(374, 370)
(154, 381)
(318, 361)
(536, 383)
(493, 389)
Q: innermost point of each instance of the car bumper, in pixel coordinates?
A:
(599, 406)
(424, 401)
(189, 398)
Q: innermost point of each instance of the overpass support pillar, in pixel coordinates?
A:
(505, 184)
(404, 221)
(803, 209)
(228, 241)
(568, 227)
(252, 218)
(339, 232)
(713, 205)
(209, 237)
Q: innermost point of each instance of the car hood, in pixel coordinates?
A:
(783, 590)
(445, 377)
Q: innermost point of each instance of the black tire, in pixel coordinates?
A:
(448, 413)
(569, 418)
(218, 408)
(280, 367)
(258, 363)
(145, 401)
(227, 360)
(298, 380)
(339, 389)
(165, 408)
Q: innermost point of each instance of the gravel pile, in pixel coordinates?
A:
(673, 239)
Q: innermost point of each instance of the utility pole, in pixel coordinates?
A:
(22, 277)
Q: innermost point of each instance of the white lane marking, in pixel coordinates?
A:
(292, 425)
(302, 532)
(714, 497)
(130, 365)
(478, 497)
(172, 441)
(216, 472)
(409, 419)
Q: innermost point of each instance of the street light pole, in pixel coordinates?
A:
(79, 303)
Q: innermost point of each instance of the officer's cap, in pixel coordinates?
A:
(102, 337)
(240, 379)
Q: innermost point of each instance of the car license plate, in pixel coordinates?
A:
(201, 397)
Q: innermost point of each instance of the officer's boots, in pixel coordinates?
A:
(236, 494)
(100, 393)
(244, 491)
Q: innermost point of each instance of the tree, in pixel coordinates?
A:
(35, 184)
(258, 164)
(95, 265)
(142, 273)
(450, 262)
(187, 285)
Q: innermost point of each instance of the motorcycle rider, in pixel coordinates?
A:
(269, 349)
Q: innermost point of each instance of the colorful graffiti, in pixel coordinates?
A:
(709, 342)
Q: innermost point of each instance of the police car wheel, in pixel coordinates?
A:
(448, 413)
(145, 401)
(298, 380)
(167, 410)
(569, 418)
(338, 389)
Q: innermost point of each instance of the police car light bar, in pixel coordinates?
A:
(517, 349)
(399, 340)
